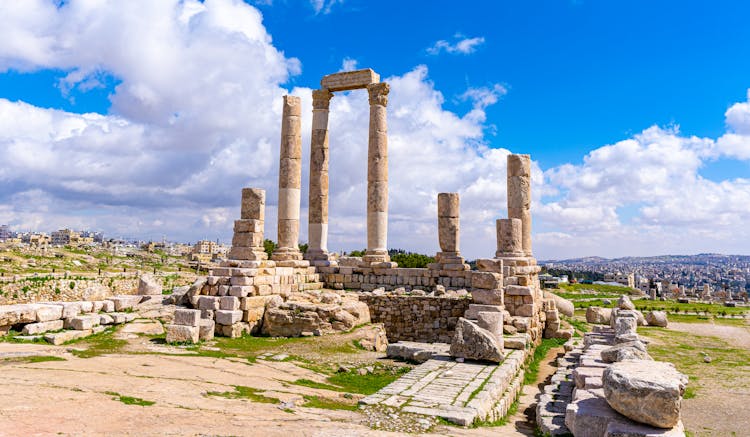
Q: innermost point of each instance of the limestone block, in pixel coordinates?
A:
(253, 315)
(247, 253)
(14, 314)
(624, 303)
(59, 338)
(247, 239)
(107, 306)
(253, 204)
(229, 303)
(647, 393)
(208, 303)
(657, 318)
(87, 307)
(106, 319)
(564, 306)
(631, 350)
(81, 323)
(349, 80)
(598, 315)
(486, 280)
(224, 317)
(148, 285)
(241, 290)
(471, 313)
(509, 237)
(182, 334)
(448, 205)
(234, 331)
(248, 225)
(525, 310)
(518, 290)
(472, 342)
(187, 317)
(46, 313)
(206, 329)
(41, 327)
(119, 318)
(98, 305)
(125, 302)
(487, 297)
(625, 323)
(492, 321)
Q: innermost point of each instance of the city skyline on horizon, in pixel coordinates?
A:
(136, 129)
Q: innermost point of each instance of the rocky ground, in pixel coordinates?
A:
(128, 382)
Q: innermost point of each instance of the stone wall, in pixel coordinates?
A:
(416, 318)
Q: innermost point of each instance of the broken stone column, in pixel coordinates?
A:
(290, 176)
(509, 238)
(377, 176)
(449, 257)
(317, 250)
(247, 242)
(519, 196)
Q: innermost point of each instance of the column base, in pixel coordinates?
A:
(375, 257)
(449, 261)
(247, 253)
(320, 258)
(286, 254)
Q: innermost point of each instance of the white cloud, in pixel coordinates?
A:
(348, 64)
(461, 45)
(324, 6)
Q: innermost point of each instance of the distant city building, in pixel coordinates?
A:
(627, 280)
(36, 239)
(207, 250)
(6, 233)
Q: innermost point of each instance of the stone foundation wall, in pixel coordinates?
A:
(416, 318)
(260, 278)
(368, 279)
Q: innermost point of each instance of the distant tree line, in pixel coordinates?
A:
(579, 275)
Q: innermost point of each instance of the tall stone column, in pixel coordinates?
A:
(317, 250)
(449, 257)
(290, 177)
(519, 196)
(377, 176)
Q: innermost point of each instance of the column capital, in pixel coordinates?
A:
(379, 93)
(321, 98)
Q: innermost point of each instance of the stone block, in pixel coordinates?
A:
(474, 308)
(518, 290)
(224, 317)
(69, 309)
(349, 80)
(248, 225)
(59, 338)
(125, 302)
(253, 204)
(206, 329)
(472, 342)
(229, 303)
(42, 327)
(487, 297)
(82, 323)
(233, 331)
(486, 280)
(87, 307)
(253, 315)
(247, 239)
(208, 303)
(46, 313)
(187, 317)
(598, 315)
(108, 306)
(149, 285)
(242, 290)
(182, 334)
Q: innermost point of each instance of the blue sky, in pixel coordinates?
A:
(660, 86)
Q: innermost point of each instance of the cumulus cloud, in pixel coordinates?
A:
(195, 116)
(460, 45)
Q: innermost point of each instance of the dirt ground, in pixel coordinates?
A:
(84, 396)
(722, 387)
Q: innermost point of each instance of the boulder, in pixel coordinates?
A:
(472, 342)
(657, 318)
(624, 303)
(149, 285)
(564, 306)
(632, 350)
(649, 393)
(598, 315)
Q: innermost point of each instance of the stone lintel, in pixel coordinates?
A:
(350, 80)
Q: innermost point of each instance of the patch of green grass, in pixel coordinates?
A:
(242, 392)
(353, 382)
(130, 400)
(327, 404)
(690, 392)
(603, 289)
(579, 325)
(532, 369)
(43, 358)
(98, 344)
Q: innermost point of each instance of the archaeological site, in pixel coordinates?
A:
(467, 338)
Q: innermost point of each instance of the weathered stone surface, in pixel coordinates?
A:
(564, 306)
(253, 205)
(182, 334)
(229, 303)
(483, 296)
(82, 323)
(125, 302)
(206, 329)
(657, 318)
(598, 315)
(224, 317)
(41, 327)
(349, 80)
(624, 303)
(187, 317)
(149, 285)
(629, 428)
(59, 338)
(631, 350)
(626, 323)
(416, 352)
(472, 342)
(144, 326)
(649, 393)
(46, 313)
(14, 314)
(486, 280)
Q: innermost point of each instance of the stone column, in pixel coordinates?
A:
(290, 176)
(317, 250)
(509, 238)
(519, 196)
(449, 257)
(377, 176)
(247, 242)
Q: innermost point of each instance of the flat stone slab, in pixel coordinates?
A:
(417, 352)
(445, 388)
(349, 80)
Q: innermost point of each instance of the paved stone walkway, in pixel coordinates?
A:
(458, 392)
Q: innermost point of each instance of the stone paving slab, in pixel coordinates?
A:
(457, 392)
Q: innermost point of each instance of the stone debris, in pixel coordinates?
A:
(598, 315)
(149, 285)
(476, 343)
(632, 350)
(417, 352)
(649, 393)
(624, 303)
